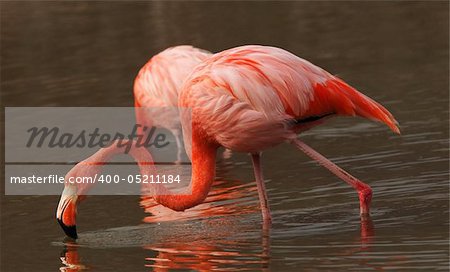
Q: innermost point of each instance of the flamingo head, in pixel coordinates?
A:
(67, 210)
(74, 193)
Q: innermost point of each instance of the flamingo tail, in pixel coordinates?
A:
(342, 99)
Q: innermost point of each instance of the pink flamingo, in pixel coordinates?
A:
(248, 99)
(157, 85)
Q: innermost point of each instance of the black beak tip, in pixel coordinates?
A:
(70, 231)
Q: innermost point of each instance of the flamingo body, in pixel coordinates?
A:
(250, 98)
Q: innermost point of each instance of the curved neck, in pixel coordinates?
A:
(203, 172)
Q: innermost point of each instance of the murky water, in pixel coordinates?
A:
(87, 54)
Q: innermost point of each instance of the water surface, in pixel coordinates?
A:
(87, 54)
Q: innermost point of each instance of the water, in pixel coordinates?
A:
(87, 54)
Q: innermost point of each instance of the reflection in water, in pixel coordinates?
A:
(198, 255)
(365, 242)
(70, 259)
(367, 232)
(208, 255)
(217, 251)
(214, 236)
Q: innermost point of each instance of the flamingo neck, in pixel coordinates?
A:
(203, 173)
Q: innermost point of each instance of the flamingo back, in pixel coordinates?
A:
(253, 91)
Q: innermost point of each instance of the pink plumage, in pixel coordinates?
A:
(263, 94)
(159, 80)
(157, 85)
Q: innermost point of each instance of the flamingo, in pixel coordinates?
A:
(247, 99)
(157, 85)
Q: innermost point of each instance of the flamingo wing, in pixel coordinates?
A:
(251, 91)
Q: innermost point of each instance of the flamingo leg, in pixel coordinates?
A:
(256, 160)
(364, 190)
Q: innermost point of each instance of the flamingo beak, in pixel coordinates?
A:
(67, 211)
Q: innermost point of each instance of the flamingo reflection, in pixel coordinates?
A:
(226, 239)
(203, 250)
(207, 255)
(206, 250)
(70, 259)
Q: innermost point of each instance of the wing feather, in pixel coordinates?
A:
(251, 91)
